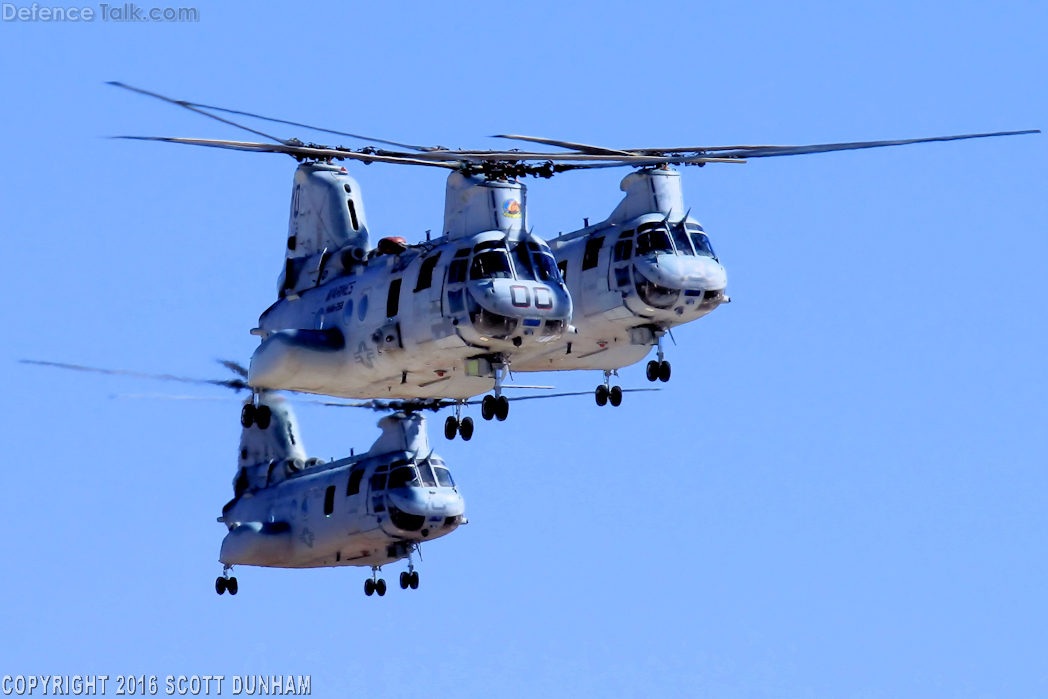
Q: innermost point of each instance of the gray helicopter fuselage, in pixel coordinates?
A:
(646, 269)
(433, 320)
(367, 510)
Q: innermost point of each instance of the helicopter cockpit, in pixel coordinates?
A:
(671, 259)
(419, 494)
(514, 290)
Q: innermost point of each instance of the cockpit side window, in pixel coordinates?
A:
(546, 267)
(427, 474)
(353, 487)
(378, 481)
(623, 250)
(457, 271)
(491, 264)
(443, 477)
(701, 241)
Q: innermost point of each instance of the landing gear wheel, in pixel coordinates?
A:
(451, 426)
(413, 580)
(487, 407)
(369, 587)
(380, 587)
(615, 396)
(466, 429)
(247, 416)
(664, 372)
(405, 580)
(220, 585)
(501, 408)
(262, 416)
(652, 372)
(601, 394)
(231, 585)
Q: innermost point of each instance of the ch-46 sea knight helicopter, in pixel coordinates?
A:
(292, 511)
(485, 295)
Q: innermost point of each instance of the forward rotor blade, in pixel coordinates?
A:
(317, 153)
(580, 147)
(235, 384)
(235, 367)
(193, 108)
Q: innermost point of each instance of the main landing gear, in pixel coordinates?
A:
(606, 393)
(496, 406)
(456, 424)
(224, 583)
(658, 370)
(374, 583)
(251, 415)
(409, 578)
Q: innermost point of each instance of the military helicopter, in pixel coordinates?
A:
(647, 268)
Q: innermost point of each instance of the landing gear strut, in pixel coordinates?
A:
(658, 370)
(224, 583)
(374, 583)
(409, 578)
(456, 424)
(496, 406)
(606, 393)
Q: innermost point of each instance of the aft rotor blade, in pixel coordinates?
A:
(235, 367)
(235, 384)
(580, 147)
(193, 108)
(562, 395)
(316, 153)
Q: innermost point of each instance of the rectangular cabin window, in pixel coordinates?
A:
(425, 273)
(393, 300)
(353, 214)
(622, 276)
(589, 258)
(378, 481)
(329, 500)
(563, 267)
(354, 482)
(457, 271)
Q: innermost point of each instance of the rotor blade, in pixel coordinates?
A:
(235, 367)
(235, 384)
(193, 108)
(318, 128)
(769, 151)
(570, 393)
(317, 153)
(580, 147)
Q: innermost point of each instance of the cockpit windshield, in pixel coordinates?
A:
(701, 241)
(490, 264)
(657, 240)
(680, 240)
(535, 263)
(522, 261)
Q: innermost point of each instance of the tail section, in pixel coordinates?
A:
(271, 434)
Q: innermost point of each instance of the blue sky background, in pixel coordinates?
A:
(842, 492)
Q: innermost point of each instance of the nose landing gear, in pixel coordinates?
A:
(409, 578)
(606, 393)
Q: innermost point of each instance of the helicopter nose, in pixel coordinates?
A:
(688, 273)
(518, 299)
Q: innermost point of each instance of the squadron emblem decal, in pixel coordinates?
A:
(511, 208)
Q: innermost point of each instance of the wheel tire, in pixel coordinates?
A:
(231, 585)
(501, 408)
(380, 587)
(247, 416)
(262, 416)
(220, 585)
(615, 396)
(652, 372)
(466, 429)
(601, 394)
(487, 407)
(451, 426)
(369, 587)
(414, 580)
(664, 372)
(405, 580)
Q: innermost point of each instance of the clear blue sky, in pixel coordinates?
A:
(842, 492)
